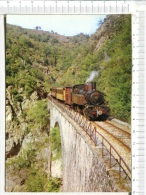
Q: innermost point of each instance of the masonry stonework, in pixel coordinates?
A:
(83, 167)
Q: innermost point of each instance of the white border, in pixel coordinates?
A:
(2, 101)
(138, 11)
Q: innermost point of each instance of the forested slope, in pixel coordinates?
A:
(37, 60)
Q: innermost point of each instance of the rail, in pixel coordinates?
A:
(92, 132)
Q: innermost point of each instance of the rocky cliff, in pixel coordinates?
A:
(28, 150)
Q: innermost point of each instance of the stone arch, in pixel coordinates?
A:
(57, 122)
(57, 162)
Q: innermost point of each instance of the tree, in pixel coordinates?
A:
(100, 22)
(38, 28)
(38, 116)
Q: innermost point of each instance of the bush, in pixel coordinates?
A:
(34, 182)
(38, 116)
(28, 90)
(55, 140)
(38, 182)
(54, 184)
(18, 98)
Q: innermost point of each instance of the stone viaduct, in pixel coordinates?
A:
(84, 168)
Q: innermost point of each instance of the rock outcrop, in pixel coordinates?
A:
(25, 149)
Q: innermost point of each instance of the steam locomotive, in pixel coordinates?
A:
(85, 99)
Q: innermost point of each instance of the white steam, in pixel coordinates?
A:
(93, 74)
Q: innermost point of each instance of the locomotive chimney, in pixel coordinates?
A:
(93, 85)
(90, 86)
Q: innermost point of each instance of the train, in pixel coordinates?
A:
(85, 99)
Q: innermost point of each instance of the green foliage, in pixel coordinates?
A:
(54, 184)
(55, 141)
(18, 98)
(19, 163)
(22, 59)
(35, 181)
(14, 92)
(37, 60)
(25, 160)
(38, 116)
(25, 41)
(115, 78)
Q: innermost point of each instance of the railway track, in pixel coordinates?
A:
(119, 139)
(121, 135)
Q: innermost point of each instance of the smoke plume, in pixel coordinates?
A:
(93, 74)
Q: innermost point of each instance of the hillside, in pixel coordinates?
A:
(37, 60)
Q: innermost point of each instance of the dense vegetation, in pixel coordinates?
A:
(55, 141)
(115, 79)
(37, 60)
(38, 116)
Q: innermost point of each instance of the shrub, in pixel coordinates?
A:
(55, 142)
(54, 184)
(38, 116)
(18, 98)
(34, 182)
